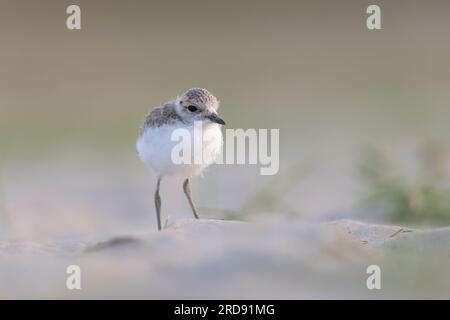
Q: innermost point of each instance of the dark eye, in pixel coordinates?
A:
(192, 108)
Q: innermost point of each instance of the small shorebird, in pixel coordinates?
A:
(155, 143)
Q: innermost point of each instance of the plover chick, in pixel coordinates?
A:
(155, 144)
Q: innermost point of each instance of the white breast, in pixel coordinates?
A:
(155, 147)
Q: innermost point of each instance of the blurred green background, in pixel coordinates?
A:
(363, 115)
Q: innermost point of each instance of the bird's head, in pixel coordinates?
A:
(198, 104)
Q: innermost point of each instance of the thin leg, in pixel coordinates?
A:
(158, 204)
(187, 192)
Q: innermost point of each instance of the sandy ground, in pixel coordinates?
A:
(212, 259)
(73, 191)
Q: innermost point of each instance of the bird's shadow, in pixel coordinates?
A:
(119, 241)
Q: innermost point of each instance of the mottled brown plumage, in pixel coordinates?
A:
(201, 96)
(165, 114)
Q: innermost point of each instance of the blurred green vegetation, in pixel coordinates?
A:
(425, 200)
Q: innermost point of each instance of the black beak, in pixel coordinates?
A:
(216, 119)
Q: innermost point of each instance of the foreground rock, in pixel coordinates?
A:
(225, 259)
